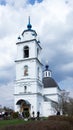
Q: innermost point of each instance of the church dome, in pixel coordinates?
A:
(49, 82)
(29, 29)
(28, 34)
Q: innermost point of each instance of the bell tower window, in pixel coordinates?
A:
(26, 52)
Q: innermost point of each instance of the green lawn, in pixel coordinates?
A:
(4, 123)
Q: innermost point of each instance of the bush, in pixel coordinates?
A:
(15, 115)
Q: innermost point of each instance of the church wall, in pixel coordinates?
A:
(34, 99)
(47, 109)
(40, 104)
(20, 69)
(51, 93)
(28, 36)
(53, 97)
(31, 74)
(31, 87)
(32, 49)
(50, 90)
(20, 48)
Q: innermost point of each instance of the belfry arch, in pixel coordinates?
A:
(26, 52)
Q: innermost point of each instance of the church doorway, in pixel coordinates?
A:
(24, 107)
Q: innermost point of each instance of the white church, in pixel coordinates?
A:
(35, 90)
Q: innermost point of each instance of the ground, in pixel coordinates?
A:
(52, 123)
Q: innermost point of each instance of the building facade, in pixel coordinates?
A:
(32, 91)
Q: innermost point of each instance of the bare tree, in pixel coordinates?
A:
(64, 101)
(70, 106)
(64, 105)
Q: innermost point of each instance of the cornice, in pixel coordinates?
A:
(28, 41)
(27, 59)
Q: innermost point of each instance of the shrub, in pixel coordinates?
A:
(15, 115)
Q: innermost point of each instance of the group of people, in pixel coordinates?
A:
(25, 114)
(38, 114)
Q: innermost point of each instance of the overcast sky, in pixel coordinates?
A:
(53, 22)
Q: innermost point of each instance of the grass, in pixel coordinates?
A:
(4, 123)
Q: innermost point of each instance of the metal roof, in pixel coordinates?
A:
(49, 82)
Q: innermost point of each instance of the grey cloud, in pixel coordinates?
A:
(7, 74)
(59, 52)
(56, 36)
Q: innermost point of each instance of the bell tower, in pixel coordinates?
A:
(28, 84)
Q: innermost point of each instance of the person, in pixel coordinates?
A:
(38, 114)
(33, 114)
(58, 112)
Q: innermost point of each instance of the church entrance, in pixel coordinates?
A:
(24, 108)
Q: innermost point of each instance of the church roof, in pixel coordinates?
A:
(33, 32)
(49, 82)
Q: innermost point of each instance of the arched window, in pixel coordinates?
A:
(37, 51)
(25, 70)
(25, 88)
(46, 74)
(26, 52)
